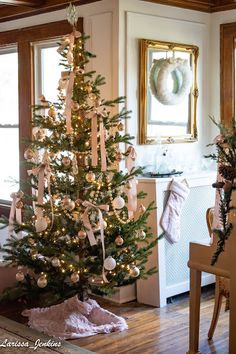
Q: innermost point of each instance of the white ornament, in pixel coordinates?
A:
(134, 271)
(118, 203)
(109, 263)
(42, 281)
(74, 277)
(56, 262)
(20, 276)
(41, 224)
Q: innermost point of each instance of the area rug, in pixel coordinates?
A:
(19, 339)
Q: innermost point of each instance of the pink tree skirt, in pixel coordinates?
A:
(74, 319)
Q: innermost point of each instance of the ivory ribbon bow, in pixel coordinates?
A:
(14, 212)
(90, 233)
(132, 191)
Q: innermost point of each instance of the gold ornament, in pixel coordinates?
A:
(120, 127)
(31, 241)
(39, 134)
(74, 277)
(42, 281)
(141, 235)
(82, 234)
(66, 161)
(142, 209)
(119, 156)
(29, 154)
(75, 106)
(90, 177)
(119, 241)
(20, 194)
(19, 204)
(118, 202)
(134, 271)
(56, 262)
(52, 112)
(68, 204)
(20, 276)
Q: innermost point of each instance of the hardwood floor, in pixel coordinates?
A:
(152, 330)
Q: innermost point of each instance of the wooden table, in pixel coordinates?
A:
(199, 261)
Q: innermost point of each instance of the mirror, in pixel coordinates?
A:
(168, 92)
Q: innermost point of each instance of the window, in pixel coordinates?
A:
(32, 53)
(47, 70)
(9, 122)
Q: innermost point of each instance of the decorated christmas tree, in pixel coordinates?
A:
(83, 226)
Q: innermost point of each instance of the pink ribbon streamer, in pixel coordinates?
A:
(69, 41)
(68, 102)
(91, 236)
(103, 147)
(132, 191)
(94, 140)
(14, 212)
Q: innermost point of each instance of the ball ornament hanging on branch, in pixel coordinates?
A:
(74, 277)
(68, 203)
(118, 202)
(20, 275)
(134, 271)
(66, 161)
(119, 241)
(42, 281)
(56, 262)
(41, 224)
(29, 154)
(90, 177)
(82, 234)
(109, 263)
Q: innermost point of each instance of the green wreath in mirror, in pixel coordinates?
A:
(181, 74)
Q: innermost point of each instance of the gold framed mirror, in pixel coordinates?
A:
(167, 92)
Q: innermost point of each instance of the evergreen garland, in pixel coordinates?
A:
(225, 157)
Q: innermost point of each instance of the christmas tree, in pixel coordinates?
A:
(82, 227)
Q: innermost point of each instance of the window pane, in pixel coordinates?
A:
(51, 72)
(9, 88)
(9, 157)
(9, 114)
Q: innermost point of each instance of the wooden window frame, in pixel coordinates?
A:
(227, 72)
(23, 39)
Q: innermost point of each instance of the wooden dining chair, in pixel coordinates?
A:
(221, 287)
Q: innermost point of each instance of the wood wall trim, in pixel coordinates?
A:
(8, 13)
(227, 72)
(41, 32)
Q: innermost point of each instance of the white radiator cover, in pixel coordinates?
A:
(171, 259)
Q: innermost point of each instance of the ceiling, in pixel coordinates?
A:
(13, 9)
